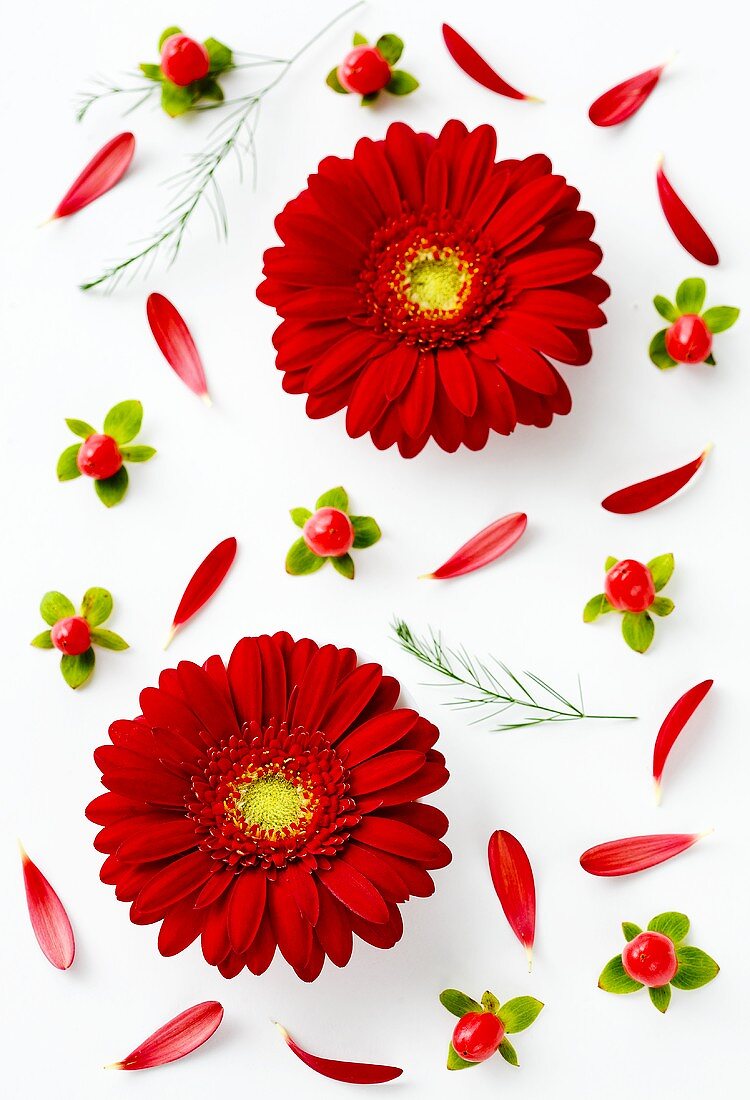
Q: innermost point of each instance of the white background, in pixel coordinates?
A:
(236, 469)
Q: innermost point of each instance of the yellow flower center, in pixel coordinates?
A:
(272, 803)
(437, 281)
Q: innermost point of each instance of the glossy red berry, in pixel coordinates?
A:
(183, 60)
(329, 533)
(72, 636)
(364, 70)
(651, 959)
(477, 1035)
(629, 586)
(688, 340)
(99, 457)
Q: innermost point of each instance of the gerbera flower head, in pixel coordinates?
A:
(272, 802)
(424, 287)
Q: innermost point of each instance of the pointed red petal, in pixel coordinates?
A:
(483, 548)
(353, 1073)
(622, 101)
(204, 582)
(513, 880)
(180, 1036)
(635, 853)
(673, 725)
(654, 490)
(474, 65)
(176, 344)
(686, 228)
(49, 920)
(103, 171)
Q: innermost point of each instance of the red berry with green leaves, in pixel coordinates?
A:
(71, 635)
(688, 339)
(690, 336)
(102, 455)
(629, 586)
(650, 959)
(477, 1035)
(630, 590)
(184, 60)
(99, 457)
(75, 635)
(364, 70)
(484, 1026)
(329, 533)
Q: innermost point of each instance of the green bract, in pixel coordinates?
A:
(515, 1015)
(689, 300)
(302, 559)
(177, 100)
(390, 46)
(637, 627)
(96, 607)
(122, 423)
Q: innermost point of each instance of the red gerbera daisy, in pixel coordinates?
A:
(423, 287)
(271, 802)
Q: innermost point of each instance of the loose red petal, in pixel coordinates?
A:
(49, 920)
(102, 172)
(513, 880)
(180, 1036)
(474, 65)
(204, 582)
(486, 547)
(688, 231)
(176, 344)
(635, 853)
(353, 1073)
(655, 490)
(622, 101)
(673, 725)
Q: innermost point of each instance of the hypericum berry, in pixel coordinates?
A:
(629, 586)
(184, 60)
(72, 636)
(688, 340)
(329, 533)
(477, 1035)
(99, 457)
(650, 959)
(364, 70)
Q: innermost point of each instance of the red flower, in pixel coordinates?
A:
(271, 803)
(423, 287)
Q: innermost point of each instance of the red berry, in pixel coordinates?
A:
(629, 586)
(477, 1035)
(71, 636)
(364, 70)
(99, 457)
(183, 60)
(688, 339)
(329, 533)
(650, 959)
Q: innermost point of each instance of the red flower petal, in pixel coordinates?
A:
(474, 65)
(513, 880)
(49, 920)
(655, 490)
(686, 228)
(204, 582)
(619, 103)
(246, 908)
(176, 344)
(490, 544)
(354, 891)
(353, 1073)
(103, 171)
(180, 1036)
(673, 725)
(635, 853)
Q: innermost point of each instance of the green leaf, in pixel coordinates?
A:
(137, 453)
(401, 83)
(151, 72)
(508, 1052)
(168, 34)
(96, 606)
(391, 47)
(691, 294)
(660, 997)
(520, 1013)
(300, 560)
(657, 350)
(175, 100)
(344, 564)
(638, 630)
(674, 925)
(630, 930)
(123, 421)
(710, 360)
(334, 498)
(80, 427)
(210, 89)
(77, 670)
(43, 640)
(490, 1002)
(55, 606)
(300, 515)
(369, 99)
(661, 570)
(663, 306)
(459, 1003)
(111, 490)
(613, 978)
(332, 80)
(597, 605)
(366, 531)
(219, 55)
(720, 318)
(694, 968)
(610, 563)
(359, 39)
(67, 463)
(107, 639)
(456, 1062)
(662, 606)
